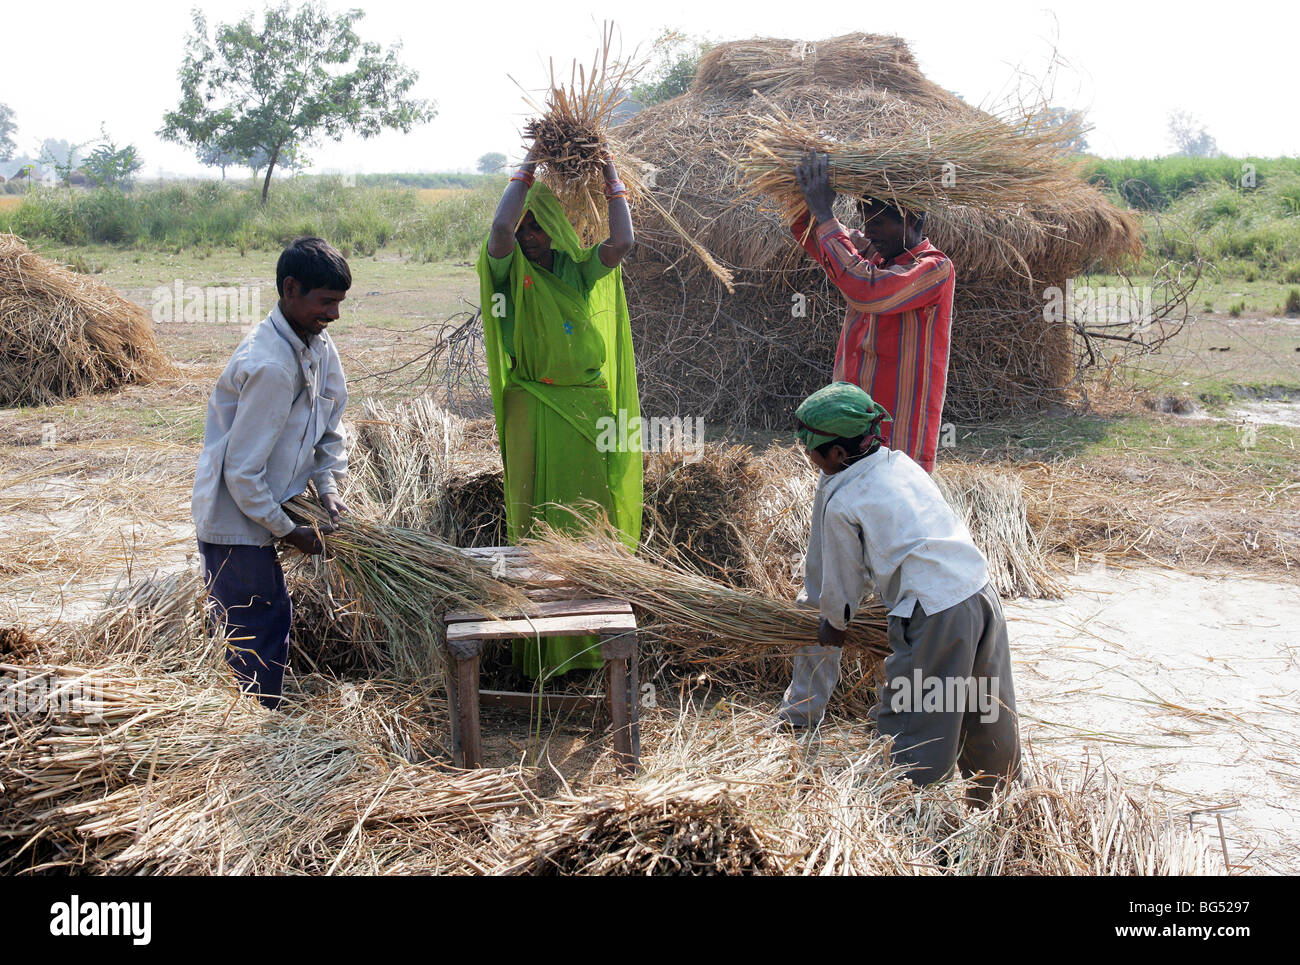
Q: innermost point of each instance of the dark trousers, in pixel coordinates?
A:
(252, 602)
(949, 699)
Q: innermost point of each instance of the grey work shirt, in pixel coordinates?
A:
(272, 425)
(883, 522)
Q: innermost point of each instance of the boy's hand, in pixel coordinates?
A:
(829, 636)
(307, 540)
(331, 503)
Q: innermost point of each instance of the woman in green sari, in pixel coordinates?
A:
(560, 362)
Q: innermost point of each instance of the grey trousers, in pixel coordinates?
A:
(948, 700)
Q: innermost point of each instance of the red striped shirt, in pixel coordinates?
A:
(895, 337)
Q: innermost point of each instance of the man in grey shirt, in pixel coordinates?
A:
(272, 427)
(880, 521)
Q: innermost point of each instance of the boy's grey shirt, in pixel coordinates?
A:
(272, 426)
(883, 522)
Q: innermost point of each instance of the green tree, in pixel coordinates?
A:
(281, 87)
(63, 156)
(491, 162)
(675, 58)
(7, 128)
(110, 166)
(215, 156)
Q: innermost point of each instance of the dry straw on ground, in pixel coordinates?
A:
(751, 356)
(125, 747)
(63, 334)
(114, 764)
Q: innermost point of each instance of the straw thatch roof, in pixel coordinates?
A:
(741, 357)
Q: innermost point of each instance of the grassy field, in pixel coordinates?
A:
(360, 219)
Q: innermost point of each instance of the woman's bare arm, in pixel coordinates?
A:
(621, 237)
(501, 239)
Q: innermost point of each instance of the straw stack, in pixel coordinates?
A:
(63, 334)
(750, 355)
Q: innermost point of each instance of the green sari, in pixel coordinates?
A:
(560, 363)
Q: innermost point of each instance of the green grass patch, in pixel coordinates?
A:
(1268, 450)
(1156, 183)
(359, 220)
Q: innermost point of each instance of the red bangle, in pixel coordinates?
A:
(615, 189)
(524, 176)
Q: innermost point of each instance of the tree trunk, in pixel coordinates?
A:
(266, 184)
(270, 166)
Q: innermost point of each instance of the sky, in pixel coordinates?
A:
(1126, 64)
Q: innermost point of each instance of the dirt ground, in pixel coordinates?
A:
(1189, 684)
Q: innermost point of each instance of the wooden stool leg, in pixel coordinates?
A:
(634, 689)
(453, 706)
(616, 686)
(471, 750)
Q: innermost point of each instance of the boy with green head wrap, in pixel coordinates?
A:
(879, 521)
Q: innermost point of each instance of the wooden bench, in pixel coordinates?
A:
(554, 610)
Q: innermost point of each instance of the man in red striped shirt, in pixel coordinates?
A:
(899, 288)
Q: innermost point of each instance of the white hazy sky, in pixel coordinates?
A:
(68, 66)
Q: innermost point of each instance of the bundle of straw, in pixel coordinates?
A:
(63, 333)
(400, 580)
(979, 163)
(571, 135)
(991, 502)
(125, 768)
(403, 579)
(656, 828)
(684, 601)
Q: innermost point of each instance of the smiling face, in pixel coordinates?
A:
(309, 313)
(535, 242)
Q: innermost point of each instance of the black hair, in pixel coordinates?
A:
(852, 446)
(315, 263)
(903, 216)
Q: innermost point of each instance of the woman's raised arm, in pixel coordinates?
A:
(621, 237)
(501, 239)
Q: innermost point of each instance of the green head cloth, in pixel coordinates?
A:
(841, 410)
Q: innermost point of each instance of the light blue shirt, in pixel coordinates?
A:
(882, 522)
(272, 426)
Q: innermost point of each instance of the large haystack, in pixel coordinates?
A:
(747, 357)
(63, 334)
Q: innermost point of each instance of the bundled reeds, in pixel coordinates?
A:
(654, 828)
(991, 502)
(980, 163)
(125, 768)
(571, 136)
(722, 794)
(63, 333)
